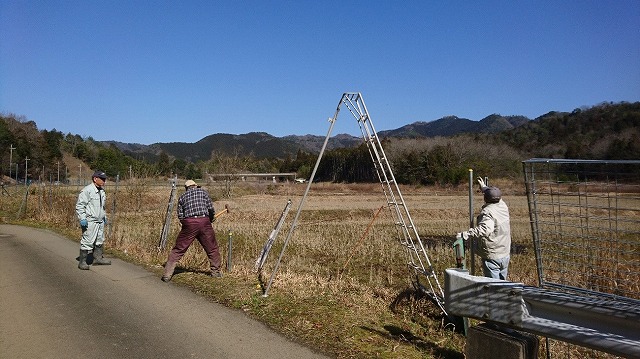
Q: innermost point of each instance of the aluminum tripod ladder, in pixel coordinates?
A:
(417, 258)
(424, 276)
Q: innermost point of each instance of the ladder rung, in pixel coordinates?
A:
(420, 270)
(417, 250)
(400, 224)
(412, 246)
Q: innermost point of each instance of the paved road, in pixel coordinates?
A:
(51, 309)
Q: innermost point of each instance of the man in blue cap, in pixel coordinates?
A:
(90, 209)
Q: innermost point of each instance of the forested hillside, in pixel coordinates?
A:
(453, 125)
(41, 153)
(606, 131)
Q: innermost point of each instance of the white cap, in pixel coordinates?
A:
(190, 183)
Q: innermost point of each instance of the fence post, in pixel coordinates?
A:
(472, 252)
(229, 251)
(113, 208)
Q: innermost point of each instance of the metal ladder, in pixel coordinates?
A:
(417, 257)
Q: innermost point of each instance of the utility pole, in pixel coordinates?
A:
(58, 172)
(11, 148)
(26, 170)
(80, 176)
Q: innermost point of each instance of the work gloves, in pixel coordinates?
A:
(84, 224)
(481, 183)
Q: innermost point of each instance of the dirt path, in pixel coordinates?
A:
(51, 309)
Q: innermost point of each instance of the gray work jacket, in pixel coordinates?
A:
(91, 204)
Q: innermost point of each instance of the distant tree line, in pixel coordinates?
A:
(606, 131)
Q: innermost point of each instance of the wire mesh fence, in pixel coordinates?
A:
(585, 219)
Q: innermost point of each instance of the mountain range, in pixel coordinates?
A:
(264, 145)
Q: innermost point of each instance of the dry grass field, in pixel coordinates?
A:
(339, 288)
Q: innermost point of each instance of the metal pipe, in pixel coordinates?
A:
(304, 196)
(603, 324)
(472, 251)
(229, 251)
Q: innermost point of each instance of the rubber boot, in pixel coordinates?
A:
(82, 259)
(215, 272)
(168, 271)
(98, 259)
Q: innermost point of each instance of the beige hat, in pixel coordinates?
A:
(190, 183)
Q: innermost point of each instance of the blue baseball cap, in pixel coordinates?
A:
(100, 175)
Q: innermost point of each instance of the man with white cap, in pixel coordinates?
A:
(91, 212)
(493, 232)
(195, 212)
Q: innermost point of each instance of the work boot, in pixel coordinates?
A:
(216, 273)
(98, 259)
(82, 259)
(168, 271)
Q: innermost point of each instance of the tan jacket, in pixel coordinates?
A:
(493, 231)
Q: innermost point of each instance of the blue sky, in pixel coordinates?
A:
(177, 71)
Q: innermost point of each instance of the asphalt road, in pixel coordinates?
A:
(51, 309)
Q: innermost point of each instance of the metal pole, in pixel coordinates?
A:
(26, 170)
(472, 250)
(229, 251)
(11, 148)
(295, 219)
(272, 237)
(167, 219)
(113, 208)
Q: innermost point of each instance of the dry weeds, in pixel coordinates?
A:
(361, 310)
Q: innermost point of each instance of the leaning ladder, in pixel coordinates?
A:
(167, 217)
(424, 276)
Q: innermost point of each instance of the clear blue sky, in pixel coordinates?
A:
(177, 71)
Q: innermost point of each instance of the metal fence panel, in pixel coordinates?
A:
(585, 220)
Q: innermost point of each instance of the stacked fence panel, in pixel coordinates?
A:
(585, 220)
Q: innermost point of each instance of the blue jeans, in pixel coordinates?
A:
(495, 268)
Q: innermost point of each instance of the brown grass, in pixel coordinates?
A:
(363, 310)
